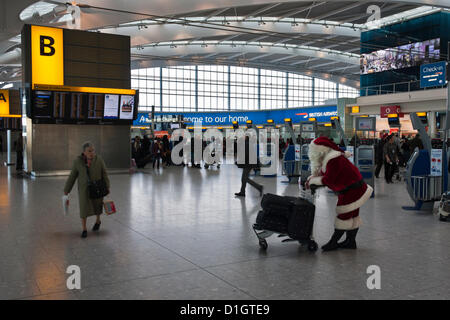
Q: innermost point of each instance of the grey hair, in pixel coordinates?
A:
(87, 144)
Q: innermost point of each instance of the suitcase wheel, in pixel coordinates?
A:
(263, 244)
(312, 246)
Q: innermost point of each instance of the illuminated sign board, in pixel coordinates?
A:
(4, 103)
(47, 56)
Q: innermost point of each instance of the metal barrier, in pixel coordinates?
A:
(391, 88)
(427, 188)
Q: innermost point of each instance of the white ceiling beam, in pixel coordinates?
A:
(283, 58)
(216, 13)
(302, 9)
(334, 12)
(262, 10)
(260, 56)
(250, 48)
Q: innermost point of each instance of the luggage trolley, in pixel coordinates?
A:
(262, 234)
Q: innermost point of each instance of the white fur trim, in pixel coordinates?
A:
(357, 204)
(349, 224)
(330, 156)
(316, 181)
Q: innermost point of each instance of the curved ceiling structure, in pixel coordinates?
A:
(319, 38)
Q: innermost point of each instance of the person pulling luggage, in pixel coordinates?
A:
(330, 167)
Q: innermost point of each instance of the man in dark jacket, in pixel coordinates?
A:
(379, 159)
(247, 167)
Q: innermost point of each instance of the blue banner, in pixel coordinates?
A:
(321, 114)
(433, 75)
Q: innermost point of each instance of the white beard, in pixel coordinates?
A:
(316, 155)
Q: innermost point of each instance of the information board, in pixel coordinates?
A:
(126, 107)
(111, 106)
(436, 162)
(433, 75)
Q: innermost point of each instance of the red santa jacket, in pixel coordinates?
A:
(338, 173)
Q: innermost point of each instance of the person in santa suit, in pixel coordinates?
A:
(330, 167)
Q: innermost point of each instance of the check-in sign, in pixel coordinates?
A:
(4, 103)
(433, 75)
(47, 56)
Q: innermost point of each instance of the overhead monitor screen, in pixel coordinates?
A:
(111, 110)
(408, 55)
(366, 124)
(126, 107)
(43, 105)
(308, 127)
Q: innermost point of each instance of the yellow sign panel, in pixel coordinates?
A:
(355, 109)
(84, 89)
(47, 55)
(4, 103)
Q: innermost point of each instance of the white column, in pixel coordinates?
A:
(8, 139)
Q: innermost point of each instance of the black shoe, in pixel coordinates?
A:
(84, 234)
(350, 242)
(240, 194)
(333, 243)
(96, 226)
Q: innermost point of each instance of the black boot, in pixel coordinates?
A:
(350, 242)
(333, 243)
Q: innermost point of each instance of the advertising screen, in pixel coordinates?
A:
(408, 55)
(111, 110)
(126, 107)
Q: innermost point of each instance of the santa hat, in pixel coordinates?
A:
(325, 145)
(326, 142)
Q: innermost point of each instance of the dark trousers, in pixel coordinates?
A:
(246, 179)
(378, 169)
(19, 160)
(156, 159)
(388, 171)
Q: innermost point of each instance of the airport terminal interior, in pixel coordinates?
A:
(145, 115)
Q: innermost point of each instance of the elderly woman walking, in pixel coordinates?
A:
(88, 163)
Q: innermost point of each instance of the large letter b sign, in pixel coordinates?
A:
(47, 48)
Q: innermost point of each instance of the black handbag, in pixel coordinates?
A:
(97, 189)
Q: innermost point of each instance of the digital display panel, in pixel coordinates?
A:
(365, 153)
(308, 127)
(406, 56)
(365, 124)
(394, 122)
(126, 107)
(43, 104)
(111, 106)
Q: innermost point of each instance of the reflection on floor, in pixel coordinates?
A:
(181, 234)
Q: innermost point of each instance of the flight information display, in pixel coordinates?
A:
(86, 107)
(43, 104)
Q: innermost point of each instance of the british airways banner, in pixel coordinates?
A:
(321, 114)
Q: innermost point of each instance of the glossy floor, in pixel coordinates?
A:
(181, 234)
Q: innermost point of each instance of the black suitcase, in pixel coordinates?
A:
(270, 220)
(301, 220)
(278, 203)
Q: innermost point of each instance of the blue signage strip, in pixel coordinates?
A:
(433, 75)
(321, 114)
